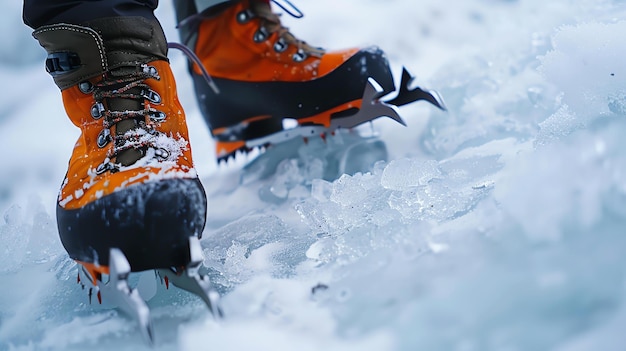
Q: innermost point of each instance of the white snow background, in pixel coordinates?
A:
(499, 225)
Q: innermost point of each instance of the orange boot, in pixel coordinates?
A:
(265, 74)
(131, 183)
(131, 199)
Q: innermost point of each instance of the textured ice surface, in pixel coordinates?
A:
(28, 236)
(496, 226)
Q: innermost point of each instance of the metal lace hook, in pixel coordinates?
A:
(194, 59)
(294, 12)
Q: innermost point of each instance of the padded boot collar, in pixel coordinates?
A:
(80, 52)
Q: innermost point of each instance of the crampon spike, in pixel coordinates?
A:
(128, 300)
(188, 279)
(371, 108)
(407, 95)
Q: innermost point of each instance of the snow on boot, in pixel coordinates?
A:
(267, 76)
(131, 199)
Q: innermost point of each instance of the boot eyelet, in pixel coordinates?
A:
(103, 167)
(157, 116)
(97, 110)
(261, 35)
(85, 87)
(104, 138)
(151, 71)
(162, 153)
(151, 96)
(244, 16)
(280, 45)
(300, 56)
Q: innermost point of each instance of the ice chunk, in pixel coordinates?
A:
(321, 190)
(404, 174)
(348, 191)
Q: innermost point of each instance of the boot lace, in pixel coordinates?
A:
(270, 24)
(126, 83)
(129, 83)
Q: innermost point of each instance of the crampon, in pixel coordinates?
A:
(110, 284)
(371, 106)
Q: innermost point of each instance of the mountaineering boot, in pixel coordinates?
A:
(265, 75)
(131, 199)
(131, 182)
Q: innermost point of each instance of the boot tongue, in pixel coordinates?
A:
(130, 156)
(118, 104)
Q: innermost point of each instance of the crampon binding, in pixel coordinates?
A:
(372, 107)
(111, 284)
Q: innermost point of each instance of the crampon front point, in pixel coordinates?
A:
(110, 284)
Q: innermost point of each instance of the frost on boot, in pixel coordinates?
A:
(266, 75)
(131, 183)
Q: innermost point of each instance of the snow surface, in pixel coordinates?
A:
(499, 225)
